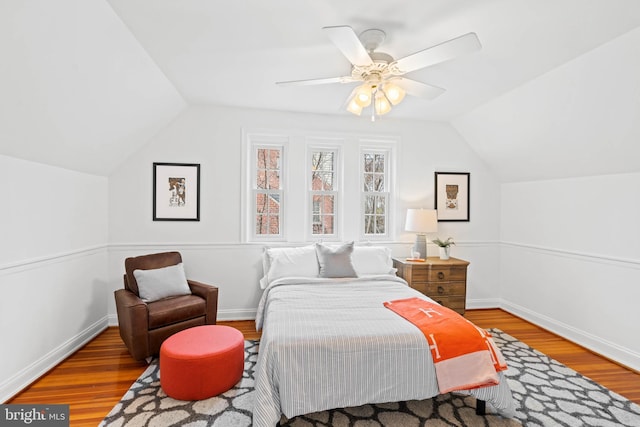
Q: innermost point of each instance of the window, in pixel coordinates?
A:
(323, 192)
(267, 191)
(302, 186)
(375, 193)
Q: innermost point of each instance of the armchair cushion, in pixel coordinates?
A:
(168, 311)
(159, 283)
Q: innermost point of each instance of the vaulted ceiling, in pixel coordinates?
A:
(85, 83)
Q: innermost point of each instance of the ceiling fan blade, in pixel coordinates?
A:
(349, 44)
(466, 43)
(342, 79)
(418, 89)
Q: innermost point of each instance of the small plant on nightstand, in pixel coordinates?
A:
(444, 246)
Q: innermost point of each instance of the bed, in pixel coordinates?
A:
(328, 342)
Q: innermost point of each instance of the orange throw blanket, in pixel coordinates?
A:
(465, 356)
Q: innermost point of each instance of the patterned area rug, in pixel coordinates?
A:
(547, 393)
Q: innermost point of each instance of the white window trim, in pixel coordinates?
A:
(253, 142)
(297, 144)
(389, 149)
(337, 191)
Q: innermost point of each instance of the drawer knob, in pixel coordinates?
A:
(440, 275)
(440, 290)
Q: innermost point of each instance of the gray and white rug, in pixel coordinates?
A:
(547, 393)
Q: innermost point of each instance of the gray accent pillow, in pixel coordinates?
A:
(162, 282)
(335, 262)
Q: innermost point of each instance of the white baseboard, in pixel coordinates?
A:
(19, 381)
(479, 304)
(237, 314)
(612, 351)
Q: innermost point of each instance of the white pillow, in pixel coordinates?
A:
(163, 282)
(369, 260)
(285, 262)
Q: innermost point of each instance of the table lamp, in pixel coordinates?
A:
(421, 222)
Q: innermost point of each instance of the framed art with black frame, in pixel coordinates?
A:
(452, 196)
(176, 192)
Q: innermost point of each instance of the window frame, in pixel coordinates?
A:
(256, 142)
(336, 192)
(389, 180)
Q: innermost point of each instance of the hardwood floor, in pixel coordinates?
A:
(94, 379)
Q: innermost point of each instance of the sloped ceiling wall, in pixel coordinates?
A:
(581, 119)
(78, 90)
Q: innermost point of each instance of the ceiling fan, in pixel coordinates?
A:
(381, 74)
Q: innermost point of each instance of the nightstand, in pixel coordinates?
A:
(444, 281)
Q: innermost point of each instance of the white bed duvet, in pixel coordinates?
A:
(330, 343)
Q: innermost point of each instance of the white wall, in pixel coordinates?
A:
(212, 248)
(580, 119)
(570, 260)
(53, 257)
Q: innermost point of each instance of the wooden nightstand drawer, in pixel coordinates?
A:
(451, 288)
(440, 274)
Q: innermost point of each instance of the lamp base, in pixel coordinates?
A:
(421, 245)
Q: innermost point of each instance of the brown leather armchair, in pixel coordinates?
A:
(145, 325)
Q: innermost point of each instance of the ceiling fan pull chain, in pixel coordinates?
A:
(373, 105)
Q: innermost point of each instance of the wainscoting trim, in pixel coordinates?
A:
(606, 259)
(32, 263)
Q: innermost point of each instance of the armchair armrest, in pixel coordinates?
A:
(210, 294)
(132, 322)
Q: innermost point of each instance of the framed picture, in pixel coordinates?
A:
(452, 196)
(176, 192)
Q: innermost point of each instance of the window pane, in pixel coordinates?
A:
(322, 181)
(328, 224)
(273, 179)
(380, 203)
(261, 224)
(261, 179)
(380, 225)
(369, 202)
(368, 162)
(274, 204)
(368, 224)
(379, 162)
(261, 158)
(327, 205)
(322, 167)
(368, 182)
(379, 182)
(274, 159)
(274, 225)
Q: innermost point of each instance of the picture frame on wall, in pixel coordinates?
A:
(452, 194)
(176, 192)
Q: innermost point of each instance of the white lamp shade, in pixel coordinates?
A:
(382, 105)
(395, 94)
(354, 107)
(421, 221)
(362, 96)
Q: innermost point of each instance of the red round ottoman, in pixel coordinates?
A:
(201, 362)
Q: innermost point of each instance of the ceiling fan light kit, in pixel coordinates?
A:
(383, 86)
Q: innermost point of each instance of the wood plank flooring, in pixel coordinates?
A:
(94, 379)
